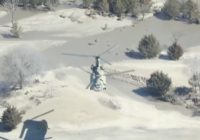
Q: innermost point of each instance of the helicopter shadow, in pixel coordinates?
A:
(34, 130)
(2, 130)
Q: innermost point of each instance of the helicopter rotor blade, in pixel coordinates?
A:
(85, 70)
(48, 138)
(91, 78)
(50, 111)
(89, 85)
(79, 55)
(122, 72)
(2, 138)
(108, 50)
(102, 59)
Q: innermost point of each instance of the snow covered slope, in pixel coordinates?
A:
(80, 114)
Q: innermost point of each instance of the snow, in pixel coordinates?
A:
(147, 15)
(120, 113)
(75, 23)
(79, 110)
(3, 13)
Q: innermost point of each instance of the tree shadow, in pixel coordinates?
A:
(142, 92)
(4, 89)
(34, 130)
(182, 91)
(134, 54)
(196, 113)
(147, 93)
(162, 16)
(164, 57)
(7, 36)
(2, 138)
(2, 128)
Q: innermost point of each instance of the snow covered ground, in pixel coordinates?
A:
(3, 13)
(121, 113)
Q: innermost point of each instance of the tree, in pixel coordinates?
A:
(104, 6)
(190, 10)
(11, 6)
(50, 4)
(145, 6)
(2, 1)
(34, 3)
(159, 83)
(133, 7)
(149, 46)
(19, 65)
(175, 51)
(172, 8)
(11, 118)
(119, 7)
(87, 3)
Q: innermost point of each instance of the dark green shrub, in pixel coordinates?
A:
(2, 1)
(149, 47)
(175, 51)
(172, 8)
(87, 3)
(11, 118)
(159, 83)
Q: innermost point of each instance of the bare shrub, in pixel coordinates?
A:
(16, 30)
(19, 64)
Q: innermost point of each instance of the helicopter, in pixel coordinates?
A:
(98, 74)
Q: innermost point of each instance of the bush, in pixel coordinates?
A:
(16, 30)
(11, 118)
(149, 47)
(172, 8)
(159, 83)
(175, 51)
